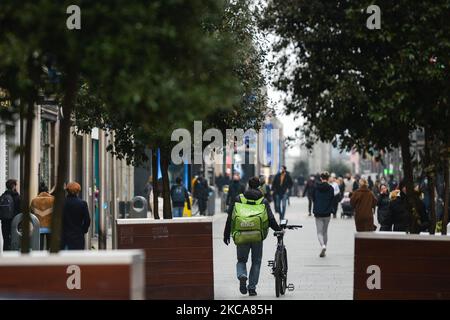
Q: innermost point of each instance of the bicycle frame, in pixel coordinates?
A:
(279, 264)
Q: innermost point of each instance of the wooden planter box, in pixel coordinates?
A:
(83, 275)
(179, 255)
(410, 266)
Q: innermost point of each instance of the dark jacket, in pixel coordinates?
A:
(179, 204)
(252, 194)
(235, 189)
(76, 222)
(16, 198)
(281, 188)
(399, 212)
(323, 197)
(383, 213)
(309, 188)
(201, 189)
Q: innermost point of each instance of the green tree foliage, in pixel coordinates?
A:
(358, 87)
(137, 68)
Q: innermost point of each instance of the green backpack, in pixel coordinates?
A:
(249, 222)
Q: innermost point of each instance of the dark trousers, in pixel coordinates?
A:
(386, 227)
(310, 204)
(336, 200)
(6, 231)
(45, 237)
(73, 243)
(202, 206)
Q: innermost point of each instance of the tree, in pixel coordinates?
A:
(301, 168)
(339, 168)
(359, 88)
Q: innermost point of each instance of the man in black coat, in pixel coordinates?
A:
(323, 199)
(235, 189)
(309, 192)
(76, 219)
(201, 193)
(11, 192)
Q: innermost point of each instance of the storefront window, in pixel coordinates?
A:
(47, 162)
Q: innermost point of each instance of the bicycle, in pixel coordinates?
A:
(280, 264)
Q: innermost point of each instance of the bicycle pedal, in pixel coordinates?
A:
(271, 263)
(290, 287)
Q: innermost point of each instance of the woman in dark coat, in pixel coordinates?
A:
(363, 201)
(76, 220)
(384, 214)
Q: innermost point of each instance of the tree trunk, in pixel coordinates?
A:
(446, 189)
(409, 181)
(430, 170)
(63, 159)
(167, 209)
(155, 183)
(25, 202)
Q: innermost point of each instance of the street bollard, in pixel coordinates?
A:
(16, 235)
(139, 207)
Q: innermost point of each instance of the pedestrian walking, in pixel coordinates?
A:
(337, 194)
(42, 207)
(76, 219)
(9, 208)
(370, 183)
(399, 208)
(364, 201)
(201, 194)
(309, 192)
(249, 239)
(179, 195)
(235, 189)
(348, 183)
(323, 208)
(383, 213)
(281, 186)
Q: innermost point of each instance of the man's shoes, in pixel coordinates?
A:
(322, 253)
(252, 292)
(243, 284)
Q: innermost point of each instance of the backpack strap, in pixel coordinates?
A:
(244, 200)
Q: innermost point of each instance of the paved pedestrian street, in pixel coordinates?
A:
(313, 277)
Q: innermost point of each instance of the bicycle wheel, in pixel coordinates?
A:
(278, 272)
(283, 272)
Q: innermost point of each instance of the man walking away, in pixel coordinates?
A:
(201, 193)
(9, 208)
(281, 187)
(235, 189)
(42, 207)
(323, 207)
(309, 192)
(180, 196)
(249, 232)
(76, 219)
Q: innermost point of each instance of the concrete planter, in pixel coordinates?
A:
(179, 255)
(391, 265)
(83, 275)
